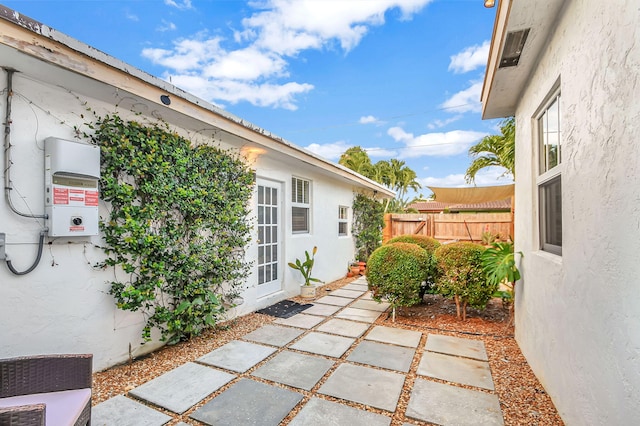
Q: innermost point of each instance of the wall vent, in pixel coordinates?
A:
(513, 46)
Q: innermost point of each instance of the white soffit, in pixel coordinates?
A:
(503, 87)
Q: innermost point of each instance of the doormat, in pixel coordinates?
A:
(284, 309)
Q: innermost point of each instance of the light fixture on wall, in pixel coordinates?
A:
(489, 3)
(165, 99)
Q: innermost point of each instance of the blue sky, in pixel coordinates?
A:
(401, 78)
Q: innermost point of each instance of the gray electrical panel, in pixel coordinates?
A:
(72, 171)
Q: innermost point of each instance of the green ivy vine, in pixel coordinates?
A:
(177, 225)
(368, 221)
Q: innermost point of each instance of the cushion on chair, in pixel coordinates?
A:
(63, 408)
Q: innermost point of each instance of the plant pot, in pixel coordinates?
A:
(363, 267)
(355, 269)
(307, 291)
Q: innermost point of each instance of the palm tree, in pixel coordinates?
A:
(495, 150)
(357, 159)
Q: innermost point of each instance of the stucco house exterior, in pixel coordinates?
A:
(569, 71)
(51, 81)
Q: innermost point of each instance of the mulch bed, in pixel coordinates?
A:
(522, 398)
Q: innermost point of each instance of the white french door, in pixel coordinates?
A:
(269, 238)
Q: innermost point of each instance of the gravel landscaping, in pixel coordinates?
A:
(523, 400)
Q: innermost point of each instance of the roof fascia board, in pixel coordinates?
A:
(46, 44)
(495, 49)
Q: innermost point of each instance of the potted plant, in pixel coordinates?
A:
(307, 290)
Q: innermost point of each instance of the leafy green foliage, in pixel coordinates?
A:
(396, 271)
(499, 265)
(460, 275)
(368, 221)
(495, 150)
(306, 267)
(177, 225)
(430, 245)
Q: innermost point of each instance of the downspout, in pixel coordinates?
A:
(8, 186)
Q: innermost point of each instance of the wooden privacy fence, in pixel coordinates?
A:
(447, 226)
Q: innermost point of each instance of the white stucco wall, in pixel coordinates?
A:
(578, 315)
(64, 306)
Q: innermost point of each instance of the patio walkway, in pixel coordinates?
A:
(299, 354)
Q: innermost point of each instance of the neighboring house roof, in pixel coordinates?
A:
(436, 207)
(51, 56)
(503, 86)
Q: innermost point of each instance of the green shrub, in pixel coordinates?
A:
(460, 275)
(427, 243)
(430, 245)
(396, 271)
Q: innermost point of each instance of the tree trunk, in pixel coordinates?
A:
(464, 311)
(457, 299)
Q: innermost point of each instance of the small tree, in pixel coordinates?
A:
(460, 276)
(396, 271)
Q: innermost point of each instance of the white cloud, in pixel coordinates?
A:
(381, 152)
(465, 100)
(182, 5)
(332, 151)
(233, 91)
(131, 16)
(485, 177)
(277, 31)
(470, 58)
(166, 26)
(368, 119)
(436, 124)
(434, 144)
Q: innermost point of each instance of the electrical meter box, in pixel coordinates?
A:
(72, 171)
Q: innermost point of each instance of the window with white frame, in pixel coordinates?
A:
(343, 214)
(549, 179)
(300, 205)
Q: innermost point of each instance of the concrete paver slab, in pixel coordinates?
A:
(457, 346)
(365, 385)
(183, 387)
(355, 287)
(327, 413)
(450, 405)
(358, 314)
(383, 356)
(349, 294)
(294, 369)
(344, 327)
(371, 305)
(323, 310)
(334, 300)
(324, 344)
(123, 411)
(273, 335)
(367, 296)
(360, 281)
(300, 321)
(395, 336)
(455, 369)
(248, 403)
(237, 356)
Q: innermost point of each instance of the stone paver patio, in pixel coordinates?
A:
(332, 350)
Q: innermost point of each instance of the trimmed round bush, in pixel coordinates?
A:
(461, 277)
(427, 243)
(430, 245)
(396, 271)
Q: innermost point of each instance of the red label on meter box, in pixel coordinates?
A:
(60, 196)
(91, 198)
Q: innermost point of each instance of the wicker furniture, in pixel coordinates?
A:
(47, 389)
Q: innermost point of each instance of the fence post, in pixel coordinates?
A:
(387, 231)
